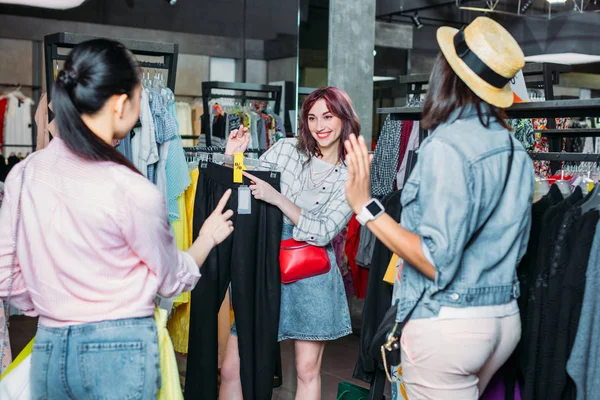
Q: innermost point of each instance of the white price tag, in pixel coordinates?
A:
(519, 88)
(244, 200)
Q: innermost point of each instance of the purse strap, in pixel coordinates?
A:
(396, 332)
(508, 170)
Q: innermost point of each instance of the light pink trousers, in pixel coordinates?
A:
(455, 359)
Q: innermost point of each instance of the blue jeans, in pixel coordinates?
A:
(98, 361)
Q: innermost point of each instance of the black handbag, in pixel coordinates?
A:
(385, 346)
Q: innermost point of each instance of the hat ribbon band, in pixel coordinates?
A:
(474, 62)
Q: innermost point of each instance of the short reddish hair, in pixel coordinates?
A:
(339, 104)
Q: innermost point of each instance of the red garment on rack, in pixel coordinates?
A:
(3, 105)
(359, 275)
(405, 132)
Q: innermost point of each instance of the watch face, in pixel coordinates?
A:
(374, 208)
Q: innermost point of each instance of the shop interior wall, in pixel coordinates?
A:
(21, 35)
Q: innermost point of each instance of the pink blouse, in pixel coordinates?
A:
(94, 241)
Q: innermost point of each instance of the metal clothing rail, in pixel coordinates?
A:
(19, 85)
(217, 149)
(56, 44)
(213, 90)
(562, 156)
(65, 40)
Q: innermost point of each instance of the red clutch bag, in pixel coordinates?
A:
(300, 260)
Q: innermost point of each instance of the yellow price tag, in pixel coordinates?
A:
(238, 167)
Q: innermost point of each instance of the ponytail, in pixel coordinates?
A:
(93, 72)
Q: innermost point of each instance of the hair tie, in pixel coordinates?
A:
(68, 78)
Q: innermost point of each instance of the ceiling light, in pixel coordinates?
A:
(416, 20)
(556, 1)
(564, 58)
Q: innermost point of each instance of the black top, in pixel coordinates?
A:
(565, 292)
(536, 301)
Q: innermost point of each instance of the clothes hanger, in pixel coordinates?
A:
(593, 203)
(228, 160)
(563, 185)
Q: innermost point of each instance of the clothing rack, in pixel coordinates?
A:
(217, 149)
(549, 109)
(305, 91)
(56, 44)
(65, 40)
(19, 85)
(211, 91)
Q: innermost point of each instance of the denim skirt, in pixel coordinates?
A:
(314, 308)
(103, 360)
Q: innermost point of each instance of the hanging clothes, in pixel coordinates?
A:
(143, 143)
(252, 266)
(377, 302)
(3, 107)
(359, 275)
(44, 128)
(183, 113)
(17, 131)
(554, 276)
(124, 147)
(179, 322)
(385, 158)
(582, 366)
(411, 145)
(6, 355)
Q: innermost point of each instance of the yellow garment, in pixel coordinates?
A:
(179, 322)
(22, 355)
(180, 227)
(190, 197)
(390, 273)
(171, 386)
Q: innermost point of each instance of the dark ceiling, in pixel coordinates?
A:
(265, 19)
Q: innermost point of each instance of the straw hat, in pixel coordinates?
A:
(485, 56)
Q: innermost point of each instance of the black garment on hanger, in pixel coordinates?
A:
(565, 297)
(12, 161)
(537, 299)
(219, 126)
(526, 274)
(3, 169)
(377, 302)
(249, 258)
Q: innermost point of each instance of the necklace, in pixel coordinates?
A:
(318, 178)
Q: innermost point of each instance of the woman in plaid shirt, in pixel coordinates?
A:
(312, 199)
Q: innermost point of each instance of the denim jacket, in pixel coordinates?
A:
(454, 187)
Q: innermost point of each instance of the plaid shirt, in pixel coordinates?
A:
(320, 224)
(384, 168)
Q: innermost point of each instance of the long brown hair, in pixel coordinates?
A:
(339, 104)
(447, 93)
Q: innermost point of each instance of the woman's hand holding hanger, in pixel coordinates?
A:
(238, 141)
(261, 190)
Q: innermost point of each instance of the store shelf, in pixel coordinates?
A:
(546, 109)
(571, 132)
(573, 157)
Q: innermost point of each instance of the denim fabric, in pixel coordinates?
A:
(452, 190)
(110, 360)
(315, 308)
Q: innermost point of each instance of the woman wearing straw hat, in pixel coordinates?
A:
(465, 220)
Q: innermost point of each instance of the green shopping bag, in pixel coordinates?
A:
(349, 391)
